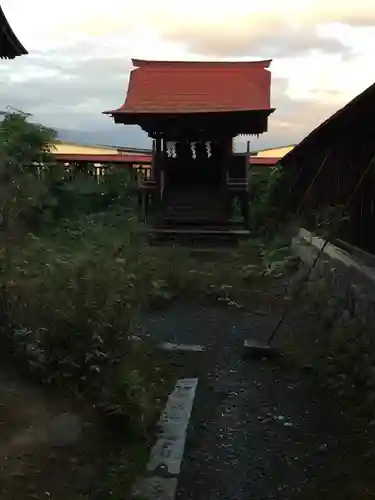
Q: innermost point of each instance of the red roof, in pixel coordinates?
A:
(143, 159)
(264, 160)
(94, 158)
(197, 87)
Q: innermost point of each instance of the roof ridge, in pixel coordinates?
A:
(142, 63)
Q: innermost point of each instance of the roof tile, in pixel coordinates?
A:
(192, 87)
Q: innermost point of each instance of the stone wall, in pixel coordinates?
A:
(342, 291)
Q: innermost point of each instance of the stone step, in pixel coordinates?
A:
(202, 231)
(176, 223)
(193, 210)
(199, 237)
(195, 206)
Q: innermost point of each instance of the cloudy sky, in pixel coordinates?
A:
(80, 54)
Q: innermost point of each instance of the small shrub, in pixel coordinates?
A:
(128, 400)
(264, 207)
(67, 303)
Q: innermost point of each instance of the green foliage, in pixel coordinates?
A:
(24, 147)
(263, 208)
(67, 303)
(35, 191)
(75, 273)
(23, 143)
(78, 273)
(71, 196)
(70, 284)
(277, 258)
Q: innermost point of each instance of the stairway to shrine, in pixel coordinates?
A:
(197, 217)
(196, 208)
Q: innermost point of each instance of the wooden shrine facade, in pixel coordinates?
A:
(334, 168)
(10, 46)
(193, 111)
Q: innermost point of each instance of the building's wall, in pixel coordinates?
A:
(70, 148)
(132, 152)
(341, 286)
(275, 152)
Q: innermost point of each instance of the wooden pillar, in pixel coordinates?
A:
(245, 198)
(244, 201)
(162, 169)
(227, 160)
(226, 168)
(157, 161)
(153, 158)
(248, 172)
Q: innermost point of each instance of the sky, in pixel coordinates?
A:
(81, 50)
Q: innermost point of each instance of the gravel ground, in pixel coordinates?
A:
(259, 430)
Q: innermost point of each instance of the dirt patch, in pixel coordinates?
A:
(52, 448)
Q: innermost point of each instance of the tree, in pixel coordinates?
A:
(25, 150)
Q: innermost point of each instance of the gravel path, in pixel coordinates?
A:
(258, 430)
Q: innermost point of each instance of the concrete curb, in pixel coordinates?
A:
(161, 477)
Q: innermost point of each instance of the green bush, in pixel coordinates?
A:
(35, 191)
(24, 147)
(67, 304)
(72, 277)
(75, 274)
(263, 207)
(71, 196)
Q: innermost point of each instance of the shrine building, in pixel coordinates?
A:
(193, 111)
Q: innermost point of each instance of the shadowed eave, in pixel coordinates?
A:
(10, 46)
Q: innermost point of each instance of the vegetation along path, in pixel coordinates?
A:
(79, 399)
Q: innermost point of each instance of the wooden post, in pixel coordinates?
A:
(228, 159)
(153, 161)
(162, 167)
(248, 165)
(226, 166)
(246, 194)
(157, 159)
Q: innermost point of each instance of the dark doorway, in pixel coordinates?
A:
(188, 169)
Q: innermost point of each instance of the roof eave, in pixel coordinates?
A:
(139, 63)
(16, 48)
(318, 133)
(124, 112)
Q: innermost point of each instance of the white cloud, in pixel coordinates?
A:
(41, 21)
(80, 53)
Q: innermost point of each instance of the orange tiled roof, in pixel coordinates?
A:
(197, 87)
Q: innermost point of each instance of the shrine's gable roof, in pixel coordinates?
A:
(181, 87)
